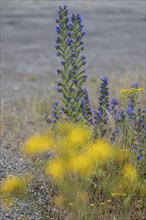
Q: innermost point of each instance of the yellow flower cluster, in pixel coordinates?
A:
(75, 135)
(77, 154)
(38, 144)
(131, 91)
(12, 186)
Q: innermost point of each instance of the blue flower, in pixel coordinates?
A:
(135, 85)
(58, 71)
(57, 30)
(114, 102)
(57, 47)
(117, 130)
(59, 84)
(82, 103)
(129, 111)
(85, 77)
(139, 157)
(69, 26)
(71, 89)
(63, 63)
(59, 89)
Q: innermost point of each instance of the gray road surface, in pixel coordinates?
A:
(115, 40)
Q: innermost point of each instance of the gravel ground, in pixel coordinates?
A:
(115, 44)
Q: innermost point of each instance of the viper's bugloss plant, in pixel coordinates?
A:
(102, 114)
(69, 45)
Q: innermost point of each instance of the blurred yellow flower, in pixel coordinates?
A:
(38, 144)
(55, 168)
(92, 204)
(13, 184)
(58, 200)
(81, 164)
(78, 136)
(99, 151)
(130, 173)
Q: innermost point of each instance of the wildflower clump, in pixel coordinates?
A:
(13, 186)
(38, 144)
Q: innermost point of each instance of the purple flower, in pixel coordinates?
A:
(70, 34)
(63, 63)
(129, 111)
(58, 71)
(69, 26)
(57, 47)
(57, 30)
(114, 102)
(76, 81)
(72, 89)
(59, 84)
(82, 103)
(69, 98)
(139, 157)
(135, 85)
(117, 130)
(135, 151)
(59, 89)
(85, 77)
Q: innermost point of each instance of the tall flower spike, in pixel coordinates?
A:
(69, 46)
(101, 115)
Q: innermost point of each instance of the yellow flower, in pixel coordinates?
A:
(38, 144)
(123, 194)
(71, 204)
(78, 136)
(13, 184)
(108, 201)
(116, 194)
(56, 169)
(99, 151)
(92, 205)
(130, 173)
(140, 89)
(131, 91)
(80, 164)
(58, 200)
(102, 203)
